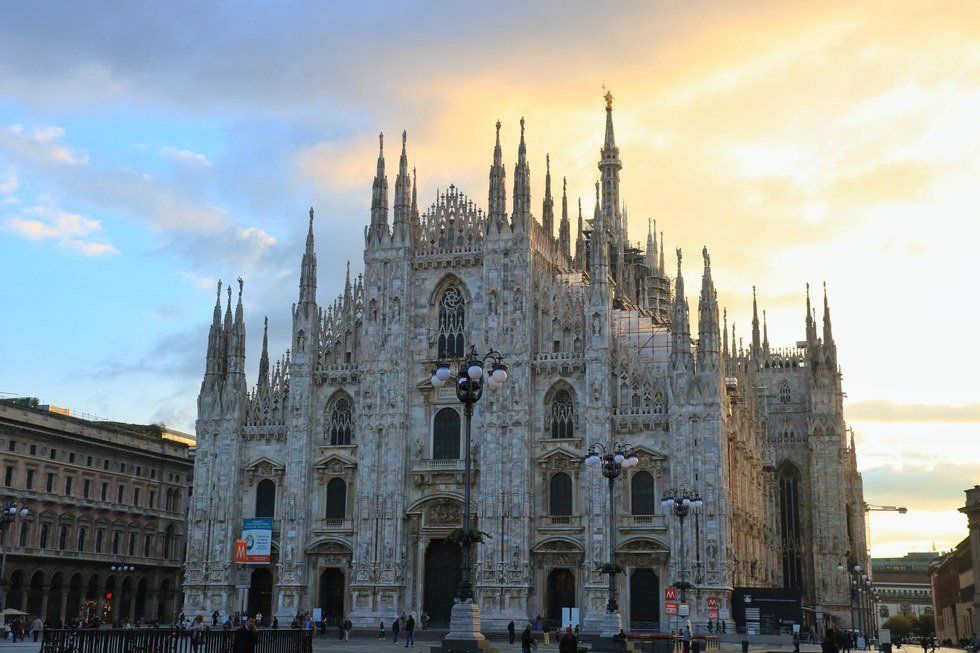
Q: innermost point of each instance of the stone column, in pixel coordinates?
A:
(45, 590)
(63, 610)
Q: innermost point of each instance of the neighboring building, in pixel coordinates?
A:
(903, 584)
(99, 494)
(346, 444)
(956, 595)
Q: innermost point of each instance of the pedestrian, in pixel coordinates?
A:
(348, 627)
(410, 632)
(275, 622)
(538, 621)
(197, 632)
(724, 627)
(215, 616)
(395, 629)
(36, 626)
(796, 643)
(510, 631)
(246, 637)
(828, 645)
(687, 639)
(568, 642)
(381, 631)
(527, 641)
(341, 629)
(424, 619)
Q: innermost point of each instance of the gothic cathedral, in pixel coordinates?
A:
(356, 457)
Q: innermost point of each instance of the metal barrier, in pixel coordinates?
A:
(169, 640)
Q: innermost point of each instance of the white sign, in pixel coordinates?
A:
(569, 618)
(257, 533)
(885, 635)
(317, 615)
(685, 609)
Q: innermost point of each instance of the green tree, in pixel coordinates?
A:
(925, 625)
(900, 625)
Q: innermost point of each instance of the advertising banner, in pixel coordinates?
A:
(240, 549)
(257, 533)
(670, 594)
(670, 608)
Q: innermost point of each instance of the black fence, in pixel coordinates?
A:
(169, 640)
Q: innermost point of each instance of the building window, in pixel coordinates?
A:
(560, 495)
(25, 533)
(790, 526)
(120, 491)
(86, 488)
(452, 319)
(153, 474)
(561, 416)
(105, 491)
(153, 498)
(136, 496)
(69, 485)
(30, 480)
(341, 424)
(642, 500)
(8, 477)
(54, 454)
(445, 435)
(71, 457)
(336, 498)
(33, 449)
(147, 545)
(132, 544)
(115, 542)
(80, 543)
(99, 538)
(785, 396)
(45, 531)
(88, 461)
(265, 499)
(168, 542)
(139, 470)
(50, 485)
(105, 465)
(12, 445)
(63, 538)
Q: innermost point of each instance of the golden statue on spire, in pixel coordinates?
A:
(609, 99)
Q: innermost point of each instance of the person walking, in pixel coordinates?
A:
(796, 643)
(197, 632)
(246, 637)
(527, 641)
(341, 629)
(395, 629)
(36, 626)
(510, 631)
(348, 627)
(424, 619)
(410, 632)
(381, 631)
(568, 642)
(687, 639)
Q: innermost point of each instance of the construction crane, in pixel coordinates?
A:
(868, 507)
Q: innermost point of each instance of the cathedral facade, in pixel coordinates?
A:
(356, 456)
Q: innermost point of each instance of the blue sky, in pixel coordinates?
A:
(147, 150)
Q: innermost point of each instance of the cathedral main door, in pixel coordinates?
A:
(442, 561)
(561, 594)
(332, 595)
(644, 600)
(260, 594)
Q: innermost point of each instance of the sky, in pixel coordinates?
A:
(148, 149)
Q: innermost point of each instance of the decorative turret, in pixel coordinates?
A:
(599, 246)
(548, 206)
(756, 341)
(565, 227)
(416, 224)
(724, 332)
(680, 349)
(263, 383)
(828, 334)
(401, 228)
(521, 214)
(811, 328)
(498, 188)
(651, 253)
(765, 336)
(379, 199)
(609, 167)
(307, 276)
(214, 364)
(708, 346)
(580, 240)
(236, 343)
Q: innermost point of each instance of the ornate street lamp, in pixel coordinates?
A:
(122, 568)
(847, 563)
(11, 511)
(611, 462)
(681, 503)
(471, 377)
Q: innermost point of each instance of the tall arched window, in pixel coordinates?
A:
(561, 415)
(168, 542)
(560, 495)
(115, 542)
(80, 544)
(452, 318)
(790, 528)
(336, 499)
(641, 494)
(340, 425)
(63, 538)
(265, 499)
(785, 396)
(445, 435)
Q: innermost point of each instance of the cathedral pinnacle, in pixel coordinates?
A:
(548, 207)
(756, 342)
(264, 358)
(564, 227)
(307, 275)
(403, 186)
(681, 333)
(707, 314)
(828, 334)
(521, 213)
(497, 203)
(379, 197)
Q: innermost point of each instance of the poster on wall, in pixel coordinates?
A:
(257, 533)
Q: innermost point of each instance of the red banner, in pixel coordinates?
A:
(712, 602)
(670, 594)
(240, 551)
(670, 608)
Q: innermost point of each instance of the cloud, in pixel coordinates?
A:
(70, 230)
(185, 157)
(43, 145)
(937, 487)
(9, 182)
(882, 410)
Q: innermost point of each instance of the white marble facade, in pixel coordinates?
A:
(346, 430)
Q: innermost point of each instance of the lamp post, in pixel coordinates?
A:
(847, 563)
(612, 460)
(11, 511)
(681, 503)
(471, 377)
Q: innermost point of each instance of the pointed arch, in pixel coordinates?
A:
(561, 411)
(789, 505)
(339, 419)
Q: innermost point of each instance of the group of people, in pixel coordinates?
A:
(402, 623)
(567, 639)
(17, 629)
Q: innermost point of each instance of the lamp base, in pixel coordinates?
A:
(464, 634)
